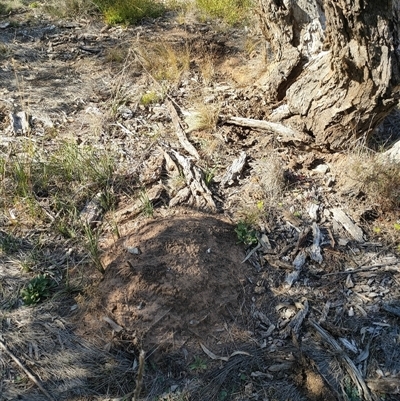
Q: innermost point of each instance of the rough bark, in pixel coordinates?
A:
(333, 66)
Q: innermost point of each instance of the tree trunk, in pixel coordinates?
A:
(333, 66)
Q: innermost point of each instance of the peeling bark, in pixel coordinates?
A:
(334, 65)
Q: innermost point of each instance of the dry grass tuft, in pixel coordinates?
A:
(116, 54)
(203, 117)
(163, 61)
(368, 174)
(207, 68)
(68, 8)
(269, 176)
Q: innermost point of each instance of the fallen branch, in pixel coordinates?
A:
(26, 371)
(180, 132)
(211, 354)
(287, 134)
(199, 191)
(341, 217)
(387, 267)
(294, 326)
(352, 370)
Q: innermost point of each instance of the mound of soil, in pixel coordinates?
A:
(176, 278)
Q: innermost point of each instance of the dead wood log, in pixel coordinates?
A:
(180, 132)
(284, 133)
(199, 193)
(294, 326)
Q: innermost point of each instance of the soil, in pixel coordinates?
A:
(217, 318)
(187, 280)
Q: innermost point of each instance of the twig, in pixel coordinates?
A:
(387, 267)
(251, 252)
(286, 133)
(139, 378)
(26, 371)
(352, 370)
(180, 132)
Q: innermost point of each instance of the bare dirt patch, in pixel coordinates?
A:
(187, 281)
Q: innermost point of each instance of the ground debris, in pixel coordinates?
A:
(200, 195)
(234, 170)
(354, 230)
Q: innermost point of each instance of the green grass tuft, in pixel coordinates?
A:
(128, 11)
(232, 12)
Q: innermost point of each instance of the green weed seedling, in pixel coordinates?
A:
(246, 234)
(38, 289)
(8, 243)
(149, 98)
(147, 205)
(209, 174)
(198, 365)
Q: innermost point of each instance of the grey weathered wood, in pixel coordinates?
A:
(200, 194)
(234, 170)
(285, 134)
(391, 155)
(341, 217)
(180, 132)
(332, 66)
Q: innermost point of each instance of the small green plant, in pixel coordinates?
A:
(260, 205)
(38, 289)
(149, 98)
(209, 174)
(8, 243)
(246, 234)
(198, 365)
(396, 226)
(92, 246)
(147, 205)
(351, 391)
(3, 9)
(377, 230)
